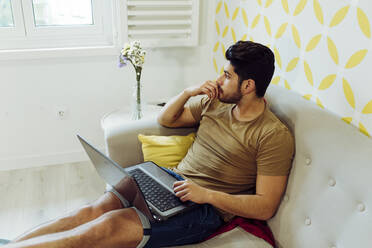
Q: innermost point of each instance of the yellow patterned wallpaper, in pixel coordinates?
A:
(322, 49)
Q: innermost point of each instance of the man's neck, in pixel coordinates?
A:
(249, 108)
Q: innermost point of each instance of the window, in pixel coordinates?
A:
(66, 12)
(93, 27)
(6, 16)
(39, 24)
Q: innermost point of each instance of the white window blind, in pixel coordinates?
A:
(162, 23)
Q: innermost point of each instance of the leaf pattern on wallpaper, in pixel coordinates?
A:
(368, 108)
(226, 10)
(300, 7)
(292, 64)
(225, 31)
(268, 3)
(215, 48)
(318, 12)
(308, 96)
(296, 36)
(245, 18)
(255, 21)
(286, 84)
(285, 6)
(319, 103)
(327, 82)
(364, 23)
(363, 129)
(275, 80)
(223, 49)
(278, 59)
(233, 35)
(356, 58)
(235, 14)
(281, 30)
(348, 120)
(267, 25)
(348, 92)
(313, 43)
(339, 16)
(217, 28)
(332, 49)
(218, 8)
(215, 65)
(308, 73)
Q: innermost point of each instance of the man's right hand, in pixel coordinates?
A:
(209, 88)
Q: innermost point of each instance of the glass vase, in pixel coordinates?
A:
(136, 108)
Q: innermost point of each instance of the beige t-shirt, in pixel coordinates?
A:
(227, 154)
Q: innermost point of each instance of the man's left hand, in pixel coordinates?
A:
(189, 191)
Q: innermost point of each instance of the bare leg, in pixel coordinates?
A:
(104, 204)
(118, 228)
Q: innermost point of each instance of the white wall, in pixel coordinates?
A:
(31, 91)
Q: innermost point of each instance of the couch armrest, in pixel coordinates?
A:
(123, 146)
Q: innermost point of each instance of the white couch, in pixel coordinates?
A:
(329, 192)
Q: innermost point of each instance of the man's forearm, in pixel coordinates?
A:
(173, 109)
(249, 206)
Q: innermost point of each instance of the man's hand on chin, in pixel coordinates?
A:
(189, 191)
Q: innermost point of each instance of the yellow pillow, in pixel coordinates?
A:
(166, 151)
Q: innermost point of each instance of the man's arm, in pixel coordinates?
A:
(175, 114)
(262, 205)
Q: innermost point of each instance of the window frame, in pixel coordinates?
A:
(48, 41)
(17, 30)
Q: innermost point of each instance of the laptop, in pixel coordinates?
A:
(152, 182)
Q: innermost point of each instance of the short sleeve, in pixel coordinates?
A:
(197, 107)
(275, 153)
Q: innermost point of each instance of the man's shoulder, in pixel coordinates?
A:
(271, 124)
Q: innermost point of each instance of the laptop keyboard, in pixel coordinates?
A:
(154, 192)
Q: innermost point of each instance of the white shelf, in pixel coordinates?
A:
(121, 116)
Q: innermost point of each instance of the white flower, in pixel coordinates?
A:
(134, 53)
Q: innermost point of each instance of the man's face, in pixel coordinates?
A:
(228, 84)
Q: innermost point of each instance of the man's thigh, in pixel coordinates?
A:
(187, 228)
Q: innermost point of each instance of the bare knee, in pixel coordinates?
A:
(80, 216)
(104, 204)
(117, 228)
(87, 212)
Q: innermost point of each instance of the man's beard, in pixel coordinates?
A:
(234, 98)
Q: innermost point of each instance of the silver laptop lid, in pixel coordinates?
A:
(110, 171)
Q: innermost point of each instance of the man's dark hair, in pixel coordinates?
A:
(252, 61)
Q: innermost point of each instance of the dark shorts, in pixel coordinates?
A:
(187, 228)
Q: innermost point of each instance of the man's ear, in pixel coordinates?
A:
(248, 86)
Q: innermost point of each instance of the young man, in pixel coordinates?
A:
(238, 165)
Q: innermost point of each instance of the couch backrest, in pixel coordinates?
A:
(329, 192)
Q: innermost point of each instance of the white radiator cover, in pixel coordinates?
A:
(162, 23)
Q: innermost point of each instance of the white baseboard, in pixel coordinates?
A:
(43, 160)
